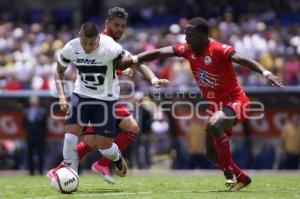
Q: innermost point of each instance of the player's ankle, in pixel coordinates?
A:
(229, 175)
(241, 177)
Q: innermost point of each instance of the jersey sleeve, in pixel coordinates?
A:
(65, 56)
(181, 50)
(116, 50)
(226, 51)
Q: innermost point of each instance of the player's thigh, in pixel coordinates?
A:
(74, 129)
(129, 124)
(240, 108)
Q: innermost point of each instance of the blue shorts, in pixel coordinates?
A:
(98, 113)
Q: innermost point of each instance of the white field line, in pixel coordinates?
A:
(93, 195)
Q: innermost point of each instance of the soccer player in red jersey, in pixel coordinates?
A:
(115, 25)
(211, 63)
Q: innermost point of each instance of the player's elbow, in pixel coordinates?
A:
(136, 129)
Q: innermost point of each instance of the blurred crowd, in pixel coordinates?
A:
(267, 31)
(28, 51)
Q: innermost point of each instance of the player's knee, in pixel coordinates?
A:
(215, 128)
(70, 139)
(105, 145)
(73, 129)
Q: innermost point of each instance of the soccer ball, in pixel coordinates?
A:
(66, 180)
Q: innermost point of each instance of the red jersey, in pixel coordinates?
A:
(213, 71)
(105, 33)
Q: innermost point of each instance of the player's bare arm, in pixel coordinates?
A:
(146, 56)
(257, 67)
(143, 69)
(148, 73)
(59, 77)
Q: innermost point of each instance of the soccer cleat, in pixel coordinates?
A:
(121, 167)
(51, 173)
(230, 181)
(241, 185)
(51, 176)
(104, 172)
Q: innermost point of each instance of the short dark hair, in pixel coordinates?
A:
(199, 24)
(116, 12)
(89, 29)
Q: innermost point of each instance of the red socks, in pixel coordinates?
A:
(226, 163)
(83, 149)
(222, 147)
(123, 140)
(239, 174)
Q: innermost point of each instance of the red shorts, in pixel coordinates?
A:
(238, 106)
(121, 112)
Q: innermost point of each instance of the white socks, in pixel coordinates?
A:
(70, 152)
(111, 153)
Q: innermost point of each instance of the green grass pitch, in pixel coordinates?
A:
(169, 185)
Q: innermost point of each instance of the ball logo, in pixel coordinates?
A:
(69, 181)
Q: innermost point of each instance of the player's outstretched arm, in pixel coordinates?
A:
(148, 73)
(146, 56)
(257, 67)
(59, 78)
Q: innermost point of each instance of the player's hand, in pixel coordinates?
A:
(274, 81)
(63, 104)
(161, 82)
(128, 72)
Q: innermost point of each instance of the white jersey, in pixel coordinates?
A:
(95, 75)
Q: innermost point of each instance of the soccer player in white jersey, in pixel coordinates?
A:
(115, 25)
(96, 90)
